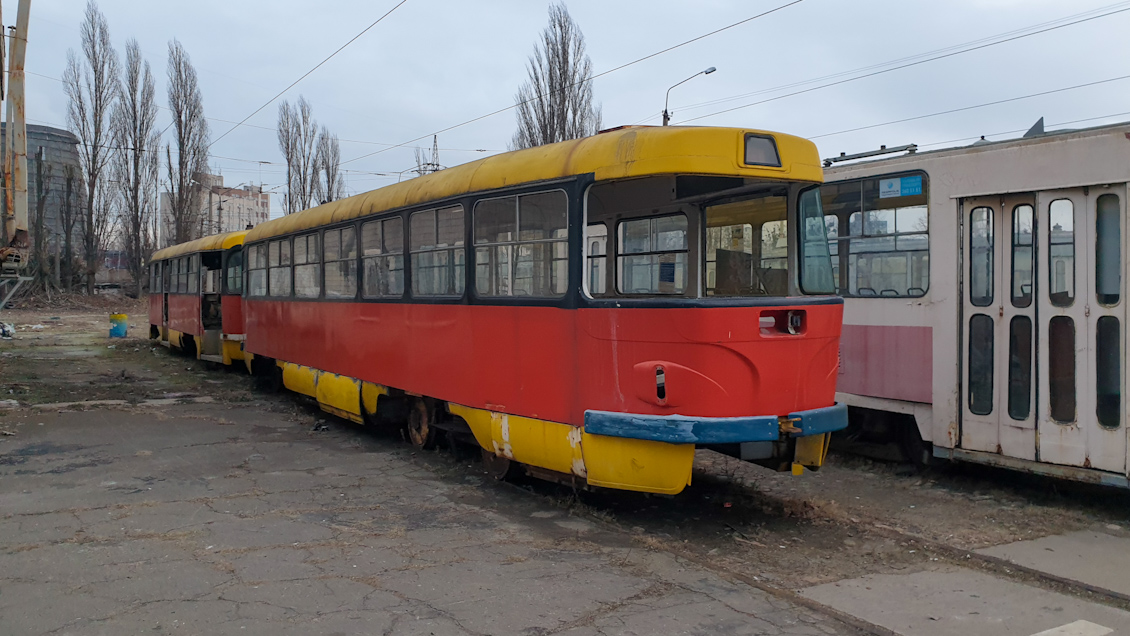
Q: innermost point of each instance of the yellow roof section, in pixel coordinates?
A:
(206, 244)
(618, 154)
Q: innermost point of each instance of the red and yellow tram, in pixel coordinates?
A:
(195, 298)
(594, 309)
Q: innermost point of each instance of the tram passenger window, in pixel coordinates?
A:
(596, 258)
(307, 267)
(1061, 253)
(522, 246)
(341, 262)
(1108, 379)
(382, 245)
(234, 274)
(1061, 368)
(747, 246)
(652, 255)
(981, 256)
(257, 270)
(1108, 250)
(193, 273)
(436, 242)
(815, 258)
(182, 275)
(1023, 218)
(981, 362)
(278, 272)
(1020, 368)
(883, 246)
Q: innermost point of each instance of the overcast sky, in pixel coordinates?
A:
(436, 63)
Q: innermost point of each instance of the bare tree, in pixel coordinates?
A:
(328, 183)
(137, 162)
(298, 141)
(40, 260)
(91, 85)
(556, 102)
(190, 130)
(69, 216)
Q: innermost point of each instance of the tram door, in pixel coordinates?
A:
(1082, 264)
(999, 315)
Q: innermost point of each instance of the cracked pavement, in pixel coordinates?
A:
(237, 519)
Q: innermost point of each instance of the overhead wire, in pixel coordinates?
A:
(1020, 130)
(307, 73)
(590, 79)
(908, 65)
(973, 107)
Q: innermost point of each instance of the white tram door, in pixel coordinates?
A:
(1082, 316)
(999, 315)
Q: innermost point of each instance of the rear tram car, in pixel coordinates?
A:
(592, 310)
(984, 310)
(195, 301)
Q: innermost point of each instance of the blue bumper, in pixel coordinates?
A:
(680, 429)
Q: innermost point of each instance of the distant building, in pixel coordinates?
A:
(60, 162)
(222, 209)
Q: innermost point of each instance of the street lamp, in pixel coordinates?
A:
(667, 115)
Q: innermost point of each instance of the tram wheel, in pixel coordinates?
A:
(498, 467)
(421, 427)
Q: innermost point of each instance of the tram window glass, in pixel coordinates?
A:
(382, 245)
(521, 246)
(341, 262)
(1108, 250)
(747, 246)
(1023, 220)
(596, 258)
(193, 273)
(278, 268)
(436, 241)
(257, 270)
(981, 364)
(1020, 368)
(234, 273)
(1108, 379)
(307, 267)
(1061, 253)
(1061, 368)
(883, 242)
(815, 258)
(981, 256)
(182, 275)
(652, 255)
(211, 275)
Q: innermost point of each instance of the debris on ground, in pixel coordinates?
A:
(7, 331)
(4, 431)
(9, 404)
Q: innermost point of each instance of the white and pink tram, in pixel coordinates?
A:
(985, 314)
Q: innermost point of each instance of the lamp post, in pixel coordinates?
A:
(667, 115)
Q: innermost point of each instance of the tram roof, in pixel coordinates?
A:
(206, 244)
(617, 154)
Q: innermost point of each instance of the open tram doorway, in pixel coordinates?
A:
(1082, 412)
(999, 323)
(211, 306)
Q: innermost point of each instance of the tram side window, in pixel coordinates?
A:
(883, 242)
(278, 268)
(341, 263)
(1061, 253)
(1023, 218)
(155, 277)
(234, 272)
(522, 246)
(382, 244)
(193, 275)
(652, 255)
(596, 259)
(437, 258)
(257, 270)
(307, 267)
(747, 246)
(1108, 250)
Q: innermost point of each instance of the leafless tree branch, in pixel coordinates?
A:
(556, 102)
(328, 184)
(191, 133)
(91, 85)
(298, 141)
